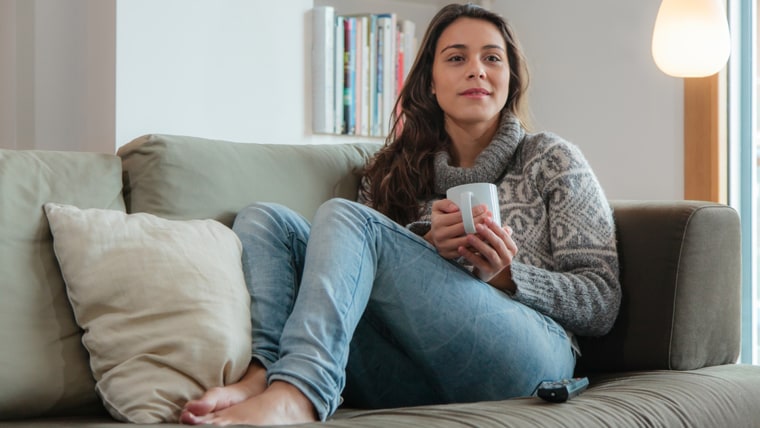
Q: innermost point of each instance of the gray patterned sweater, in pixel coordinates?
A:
(567, 265)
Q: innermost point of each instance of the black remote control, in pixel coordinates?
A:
(561, 390)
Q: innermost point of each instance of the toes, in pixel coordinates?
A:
(200, 407)
(204, 405)
(187, 418)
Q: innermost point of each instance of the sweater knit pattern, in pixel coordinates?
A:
(566, 266)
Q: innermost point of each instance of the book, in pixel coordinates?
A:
(338, 75)
(379, 75)
(322, 54)
(408, 44)
(386, 24)
(361, 74)
(363, 69)
(399, 62)
(374, 129)
(349, 75)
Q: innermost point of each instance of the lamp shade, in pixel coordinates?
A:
(691, 37)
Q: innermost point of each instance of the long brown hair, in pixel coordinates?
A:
(401, 175)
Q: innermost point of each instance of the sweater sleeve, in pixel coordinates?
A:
(581, 290)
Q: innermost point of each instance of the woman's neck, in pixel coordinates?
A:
(469, 140)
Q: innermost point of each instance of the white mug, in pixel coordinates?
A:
(468, 195)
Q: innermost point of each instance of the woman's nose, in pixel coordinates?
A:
(477, 71)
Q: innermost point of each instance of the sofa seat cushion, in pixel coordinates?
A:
(720, 396)
(163, 305)
(43, 365)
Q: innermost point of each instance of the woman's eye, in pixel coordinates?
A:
(493, 58)
(456, 58)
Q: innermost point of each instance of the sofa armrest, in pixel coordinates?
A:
(680, 267)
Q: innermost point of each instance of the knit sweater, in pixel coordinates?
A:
(567, 264)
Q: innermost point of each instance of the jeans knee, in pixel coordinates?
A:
(341, 208)
(338, 204)
(263, 214)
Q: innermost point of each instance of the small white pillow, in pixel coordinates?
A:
(163, 306)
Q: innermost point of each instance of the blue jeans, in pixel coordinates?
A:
(356, 304)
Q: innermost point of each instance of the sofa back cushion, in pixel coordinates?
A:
(192, 178)
(43, 365)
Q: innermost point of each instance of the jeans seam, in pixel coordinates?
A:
(361, 266)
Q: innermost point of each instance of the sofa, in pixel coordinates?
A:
(669, 361)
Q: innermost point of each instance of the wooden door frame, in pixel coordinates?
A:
(705, 146)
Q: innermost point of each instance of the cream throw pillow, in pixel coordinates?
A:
(163, 306)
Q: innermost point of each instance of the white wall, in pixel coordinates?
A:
(594, 82)
(93, 74)
(228, 69)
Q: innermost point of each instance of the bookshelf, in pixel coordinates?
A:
(352, 93)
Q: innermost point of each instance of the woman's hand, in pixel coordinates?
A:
(491, 251)
(446, 228)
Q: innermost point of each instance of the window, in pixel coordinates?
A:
(721, 156)
(742, 94)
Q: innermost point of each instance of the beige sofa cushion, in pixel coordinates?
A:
(188, 177)
(163, 305)
(43, 365)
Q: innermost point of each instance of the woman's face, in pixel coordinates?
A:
(471, 72)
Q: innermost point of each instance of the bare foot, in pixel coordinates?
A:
(281, 404)
(199, 411)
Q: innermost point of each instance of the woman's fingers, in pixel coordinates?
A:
(490, 250)
(445, 222)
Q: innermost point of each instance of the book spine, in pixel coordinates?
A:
(323, 52)
(358, 75)
(399, 61)
(374, 129)
(349, 77)
(408, 29)
(387, 21)
(338, 76)
(380, 78)
(365, 71)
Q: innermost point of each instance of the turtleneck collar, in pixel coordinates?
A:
(490, 163)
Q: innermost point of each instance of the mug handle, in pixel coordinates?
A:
(466, 209)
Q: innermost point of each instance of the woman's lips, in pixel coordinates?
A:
(475, 93)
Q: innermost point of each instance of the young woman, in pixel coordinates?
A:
(388, 302)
